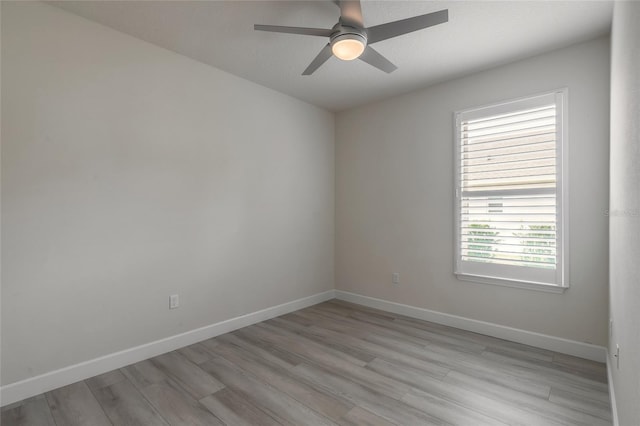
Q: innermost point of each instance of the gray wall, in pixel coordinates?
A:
(394, 197)
(130, 173)
(624, 220)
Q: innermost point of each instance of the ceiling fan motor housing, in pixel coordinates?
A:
(341, 32)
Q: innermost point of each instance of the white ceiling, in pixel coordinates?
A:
(479, 35)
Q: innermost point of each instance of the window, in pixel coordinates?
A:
(510, 191)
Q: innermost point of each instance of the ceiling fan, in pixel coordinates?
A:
(349, 39)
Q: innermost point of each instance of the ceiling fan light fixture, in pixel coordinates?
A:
(348, 46)
(349, 39)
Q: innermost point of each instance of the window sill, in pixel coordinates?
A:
(527, 285)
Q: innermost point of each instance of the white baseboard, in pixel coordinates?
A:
(612, 394)
(32, 386)
(557, 344)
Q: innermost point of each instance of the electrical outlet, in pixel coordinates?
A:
(174, 301)
(395, 278)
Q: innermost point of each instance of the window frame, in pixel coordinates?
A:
(465, 270)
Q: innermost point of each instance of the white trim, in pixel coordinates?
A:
(539, 340)
(612, 395)
(563, 215)
(54, 379)
(505, 107)
(527, 285)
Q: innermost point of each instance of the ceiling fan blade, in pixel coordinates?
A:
(393, 29)
(322, 57)
(350, 12)
(372, 57)
(293, 30)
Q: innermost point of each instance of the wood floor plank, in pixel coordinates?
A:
(349, 309)
(126, 406)
(521, 353)
(361, 417)
(282, 380)
(375, 330)
(209, 343)
(285, 323)
(491, 371)
(75, 405)
(403, 354)
(478, 402)
(581, 403)
(278, 404)
(295, 317)
(303, 345)
(235, 410)
(459, 336)
(268, 349)
(196, 353)
(522, 376)
(143, 374)
(177, 407)
(106, 379)
(580, 364)
(32, 412)
(587, 392)
(499, 390)
(427, 385)
(315, 316)
(390, 409)
(581, 367)
(563, 413)
(281, 358)
(324, 356)
(431, 336)
(311, 333)
(191, 377)
(543, 370)
(400, 324)
(413, 377)
(449, 412)
(362, 330)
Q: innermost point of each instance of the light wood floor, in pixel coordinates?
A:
(336, 363)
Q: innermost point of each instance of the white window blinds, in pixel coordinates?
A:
(509, 186)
